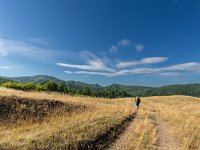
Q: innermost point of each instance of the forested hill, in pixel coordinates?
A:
(38, 79)
(42, 79)
(132, 90)
(185, 89)
(115, 89)
(3, 79)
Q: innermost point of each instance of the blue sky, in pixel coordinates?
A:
(133, 42)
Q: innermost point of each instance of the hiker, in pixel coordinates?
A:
(137, 102)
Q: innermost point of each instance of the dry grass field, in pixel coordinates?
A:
(33, 120)
(145, 132)
(66, 129)
(182, 114)
(168, 122)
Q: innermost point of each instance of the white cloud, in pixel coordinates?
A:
(5, 67)
(168, 74)
(150, 60)
(113, 49)
(153, 60)
(26, 49)
(173, 70)
(98, 66)
(126, 64)
(84, 67)
(93, 73)
(93, 63)
(139, 47)
(192, 66)
(124, 42)
(117, 73)
(69, 72)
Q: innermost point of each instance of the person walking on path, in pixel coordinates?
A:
(137, 102)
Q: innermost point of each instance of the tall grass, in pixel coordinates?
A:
(64, 131)
(183, 114)
(145, 133)
(82, 127)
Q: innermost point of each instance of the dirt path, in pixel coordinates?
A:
(166, 140)
(124, 141)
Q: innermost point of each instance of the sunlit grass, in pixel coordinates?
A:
(64, 130)
(73, 129)
(183, 114)
(145, 133)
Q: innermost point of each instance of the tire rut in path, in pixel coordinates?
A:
(166, 139)
(124, 140)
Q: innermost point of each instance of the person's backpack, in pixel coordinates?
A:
(137, 99)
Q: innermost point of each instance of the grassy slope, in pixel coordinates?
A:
(64, 131)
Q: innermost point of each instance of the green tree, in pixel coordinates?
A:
(86, 91)
(51, 86)
(61, 86)
(28, 86)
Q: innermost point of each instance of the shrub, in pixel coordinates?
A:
(51, 86)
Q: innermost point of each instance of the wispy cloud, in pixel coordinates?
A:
(153, 60)
(122, 43)
(68, 72)
(139, 47)
(168, 74)
(93, 66)
(192, 66)
(5, 67)
(93, 62)
(172, 70)
(126, 43)
(150, 60)
(109, 67)
(23, 48)
(113, 49)
(91, 73)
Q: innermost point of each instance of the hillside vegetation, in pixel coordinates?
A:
(48, 83)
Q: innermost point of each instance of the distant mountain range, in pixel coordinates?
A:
(42, 79)
(185, 89)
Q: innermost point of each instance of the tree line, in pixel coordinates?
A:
(52, 86)
(105, 92)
